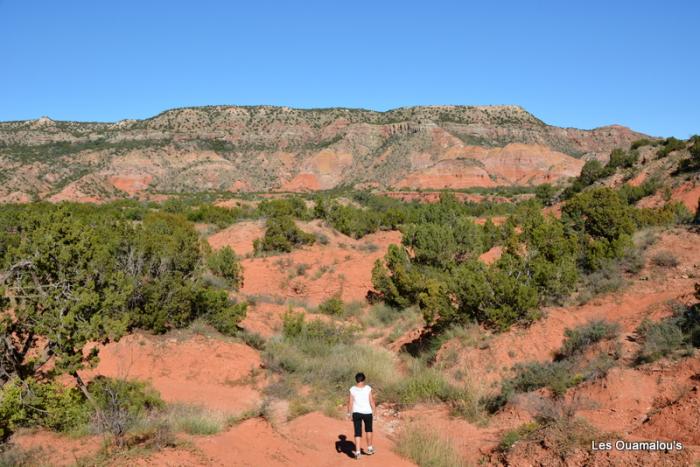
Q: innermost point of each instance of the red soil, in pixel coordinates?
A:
(688, 193)
(239, 237)
(307, 440)
(56, 449)
(131, 184)
(342, 266)
(643, 298)
(189, 369)
(302, 182)
(492, 255)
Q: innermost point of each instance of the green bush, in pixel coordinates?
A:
(210, 214)
(591, 172)
(557, 376)
(292, 206)
(660, 340)
(604, 222)
(332, 306)
(620, 158)
(32, 403)
(669, 145)
(423, 384)
(545, 193)
(282, 236)
(577, 340)
(120, 404)
(224, 316)
(115, 406)
(671, 337)
(641, 142)
(224, 263)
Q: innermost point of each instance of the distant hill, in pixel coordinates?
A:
(265, 148)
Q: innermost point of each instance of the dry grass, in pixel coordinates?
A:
(427, 448)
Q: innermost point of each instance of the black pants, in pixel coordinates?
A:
(357, 419)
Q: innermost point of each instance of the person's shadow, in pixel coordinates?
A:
(345, 446)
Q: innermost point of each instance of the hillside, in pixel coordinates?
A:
(266, 148)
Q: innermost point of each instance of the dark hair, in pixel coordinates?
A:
(360, 377)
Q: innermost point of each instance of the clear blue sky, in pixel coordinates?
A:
(582, 64)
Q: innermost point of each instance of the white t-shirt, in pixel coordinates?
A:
(360, 399)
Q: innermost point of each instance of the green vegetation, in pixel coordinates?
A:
(579, 339)
(669, 145)
(224, 263)
(114, 406)
(671, 337)
(555, 426)
(545, 194)
(692, 163)
(78, 274)
(325, 357)
(333, 306)
(427, 448)
(511, 437)
(282, 235)
(641, 142)
(437, 266)
(570, 367)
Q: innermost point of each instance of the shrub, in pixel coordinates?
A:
(115, 407)
(225, 316)
(291, 206)
(224, 263)
(662, 339)
(557, 376)
(423, 384)
(282, 235)
(114, 275)
(545, 193)
(16, 456)
(665, 259)
(591, 171)
(380, 315)
(620, 158)
(119, 404)
(32, 403)
(510, 437)
(195, 420)
(669, 145)
(210, 214)
(580, 338)
(332, 306)
(641, 142)
(427, 448)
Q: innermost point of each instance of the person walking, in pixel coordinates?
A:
(360, 408)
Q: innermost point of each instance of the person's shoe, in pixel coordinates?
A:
(370, 451)
(358, 454)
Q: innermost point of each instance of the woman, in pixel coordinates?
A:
(361, 406)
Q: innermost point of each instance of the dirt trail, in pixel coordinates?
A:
(312, 440)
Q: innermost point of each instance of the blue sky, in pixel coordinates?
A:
(581, 64)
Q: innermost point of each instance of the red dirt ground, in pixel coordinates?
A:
(193, 370)
(239, 237)
(342, 266)
(56, 449)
